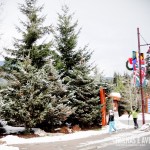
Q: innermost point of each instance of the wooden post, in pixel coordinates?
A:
(103, 103)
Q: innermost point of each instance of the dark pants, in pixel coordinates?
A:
(135, 123)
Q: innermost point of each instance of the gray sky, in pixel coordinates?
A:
(109, 27)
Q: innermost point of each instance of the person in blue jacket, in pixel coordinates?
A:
(111, 121)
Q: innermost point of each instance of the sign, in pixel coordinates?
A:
(136, 72)
(148, 103)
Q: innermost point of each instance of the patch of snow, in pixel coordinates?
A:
(125, 117)
(10, 129)
(115, 94)
(3, 123)
(3, 147)
(145, 127)
(39, 132)
(53, 137)
(10, 139)
(120, 125)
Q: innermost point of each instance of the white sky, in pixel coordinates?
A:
(108, 26)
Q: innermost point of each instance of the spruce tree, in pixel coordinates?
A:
(74, 68)
(35, 97)
(33, 33)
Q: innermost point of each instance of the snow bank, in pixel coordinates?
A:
(10, 139)
(120, 125)
(3, 147)
(3, 123)
(10, 129)
(145, 127)
(125, 117)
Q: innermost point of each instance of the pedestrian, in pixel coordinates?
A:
(111, 121)
(134, 112)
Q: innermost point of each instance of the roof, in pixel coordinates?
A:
(115, 95)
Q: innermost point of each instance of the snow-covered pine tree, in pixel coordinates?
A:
(72, 64)
(34, 97)
(86, 98)
(32, 42)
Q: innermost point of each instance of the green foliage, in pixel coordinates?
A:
(66, 42)
(122, 84)
(119, 85)
(72, 64)
(85, 99)
(34, 96)
(32, 32)
(107, 88)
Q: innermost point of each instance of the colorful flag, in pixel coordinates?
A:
(136, 73)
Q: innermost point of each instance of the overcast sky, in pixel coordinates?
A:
(109, 27)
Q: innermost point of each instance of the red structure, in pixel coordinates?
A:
(103, 109)
(115, 98)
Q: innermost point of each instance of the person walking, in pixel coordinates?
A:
(111, 121)
(134, 112)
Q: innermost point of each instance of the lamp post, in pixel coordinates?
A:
(140, 75)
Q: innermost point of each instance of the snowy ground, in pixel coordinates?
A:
(121, 124)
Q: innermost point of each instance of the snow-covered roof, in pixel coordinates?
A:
(115, 94)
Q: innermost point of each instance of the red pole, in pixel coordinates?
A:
(140, 76)
(103, 109)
